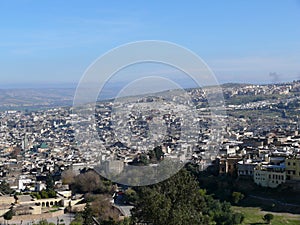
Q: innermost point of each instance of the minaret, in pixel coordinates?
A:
(25, 140)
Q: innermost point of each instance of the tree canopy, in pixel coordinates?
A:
(179, 200)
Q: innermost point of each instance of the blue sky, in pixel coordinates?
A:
(53, 42)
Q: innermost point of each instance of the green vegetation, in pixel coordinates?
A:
(179, 201)
(268, 217)
(97, 192)
(78, 220)
(44, 194)
(8, 215)
(254, 215)
(153, 156)
(189, 197)
(49, 182)
(156, 154)
(87, 215)
(242, 99)
(222, 187)
(237, 197)
(130, 196)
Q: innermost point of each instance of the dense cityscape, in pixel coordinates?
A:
(41, 160)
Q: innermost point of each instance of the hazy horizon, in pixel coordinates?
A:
(74, 85)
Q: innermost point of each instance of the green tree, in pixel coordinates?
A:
(51, 194)
(268, 217)
(87, 215)
(238, 218)
(156, 154)
(78, 220)
(237, 197)
(37, 195)
(126, 221)
(8, 215)
(218, 212)
(75, 223)
(44, 194)
(177, 201)
(49, 182)
(130, 196)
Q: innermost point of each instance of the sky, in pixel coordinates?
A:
(52, 43)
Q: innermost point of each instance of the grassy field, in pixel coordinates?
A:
(253, 215)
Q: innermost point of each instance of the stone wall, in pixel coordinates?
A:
(37, 217)
(78, 208)
(4, 200)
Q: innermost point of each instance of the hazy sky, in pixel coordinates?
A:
(242, 41)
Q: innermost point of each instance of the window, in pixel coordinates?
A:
(289, 163)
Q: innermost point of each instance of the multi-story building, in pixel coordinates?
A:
(246, 167)
(269, 175)
(293, 168)
(229, 165)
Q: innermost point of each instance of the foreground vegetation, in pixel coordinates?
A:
(178, 200)
(189, 197)
(254, 215)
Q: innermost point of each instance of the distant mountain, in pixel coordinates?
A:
(41, 98)
(234, 85)
(35, 98)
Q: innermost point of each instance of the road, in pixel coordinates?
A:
(273, 200)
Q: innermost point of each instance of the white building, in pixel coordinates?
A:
(269, 175)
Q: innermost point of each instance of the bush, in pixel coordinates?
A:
(44, 194)
(268, 217)
(237, 197)
(238, 218)
(130, 196)
(8, 215)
